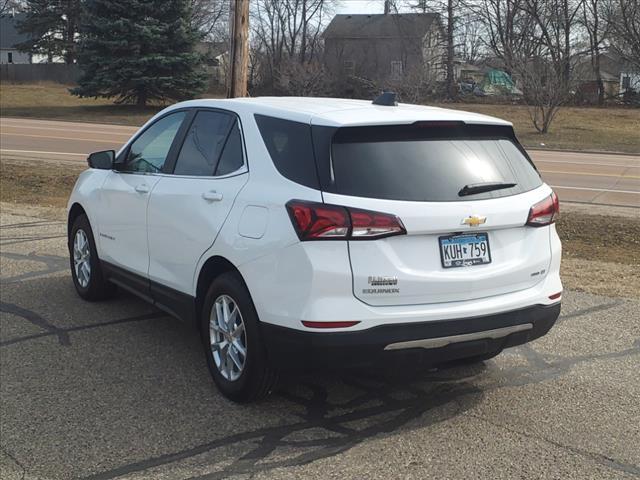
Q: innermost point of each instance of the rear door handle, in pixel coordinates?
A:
(142, 188)
(212, 196)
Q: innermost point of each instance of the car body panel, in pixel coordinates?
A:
(176, 246)
(123, 220)
(520, 255)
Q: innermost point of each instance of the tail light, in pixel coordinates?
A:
(320, 221)
(544, 212)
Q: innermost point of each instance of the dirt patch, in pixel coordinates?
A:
(600, 254)
(42, 183)
(600, 278)
(600, 238)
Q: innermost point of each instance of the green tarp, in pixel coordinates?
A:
(497, 82)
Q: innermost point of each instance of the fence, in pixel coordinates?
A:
(39, 72)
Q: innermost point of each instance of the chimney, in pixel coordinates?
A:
(387, 6)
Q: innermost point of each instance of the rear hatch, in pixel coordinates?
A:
(460, 244)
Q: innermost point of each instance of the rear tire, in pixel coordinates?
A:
(86, 270)
(232, 341)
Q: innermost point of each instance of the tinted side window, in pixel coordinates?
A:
(231, 158)
(291, 149)
(204, 143)
(149, 151)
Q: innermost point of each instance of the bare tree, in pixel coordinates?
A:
(509, 30)
(470, 36)
(284, 32)
(547, 76)
(210, 17)
(623, 17)
(597, 31)
(450, 10)
(9, 6)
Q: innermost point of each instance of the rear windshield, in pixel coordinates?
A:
(425, 163)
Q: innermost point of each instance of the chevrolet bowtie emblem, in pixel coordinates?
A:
(474, 220)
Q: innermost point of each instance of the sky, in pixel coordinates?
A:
(360, 6)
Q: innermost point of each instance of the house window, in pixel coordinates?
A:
(626, 82)
(10, 57)
(396, 70)
(349, 67)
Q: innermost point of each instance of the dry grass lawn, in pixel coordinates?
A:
(574, 128)
(601, 254)
(54, 102)
(603, 129)
(34, 181)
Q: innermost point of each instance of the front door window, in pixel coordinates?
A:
(150, 150)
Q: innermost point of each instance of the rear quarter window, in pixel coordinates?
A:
(291, 149)
(428, 164)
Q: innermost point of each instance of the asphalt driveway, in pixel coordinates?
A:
(119, 390)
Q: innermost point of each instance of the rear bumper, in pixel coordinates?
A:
(430, 342)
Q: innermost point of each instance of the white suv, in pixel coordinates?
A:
(306, 232)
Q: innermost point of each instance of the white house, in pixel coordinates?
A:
(629, 80)
(10, 38)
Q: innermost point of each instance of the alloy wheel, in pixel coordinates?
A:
(228, 338)
(81, 258)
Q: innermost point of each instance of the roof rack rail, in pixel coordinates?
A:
(387, 99)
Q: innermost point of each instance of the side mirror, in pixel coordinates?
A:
(102, 160)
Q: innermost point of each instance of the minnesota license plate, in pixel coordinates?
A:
(464, 250)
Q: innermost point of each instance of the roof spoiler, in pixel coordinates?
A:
(386, 99)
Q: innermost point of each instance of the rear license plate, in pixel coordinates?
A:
(464, 250)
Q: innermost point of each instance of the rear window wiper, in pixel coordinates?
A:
(474, 188)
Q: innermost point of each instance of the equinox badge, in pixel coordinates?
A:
(474, 220)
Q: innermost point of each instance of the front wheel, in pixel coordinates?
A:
(232, 341)
(86, 270)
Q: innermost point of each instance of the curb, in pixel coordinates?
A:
(589, 152)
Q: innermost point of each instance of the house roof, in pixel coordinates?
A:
(400, 25)
(9, 35)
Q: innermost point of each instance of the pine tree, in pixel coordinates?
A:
(52, 26)
(139, 50)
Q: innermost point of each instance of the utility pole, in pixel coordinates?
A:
(239, 54)
(452, 91)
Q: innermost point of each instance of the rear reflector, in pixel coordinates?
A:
(321, 221)
(555, 295)
(544, 212)
(329, 324)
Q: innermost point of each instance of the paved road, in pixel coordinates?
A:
(119, 390)
(580, 177)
